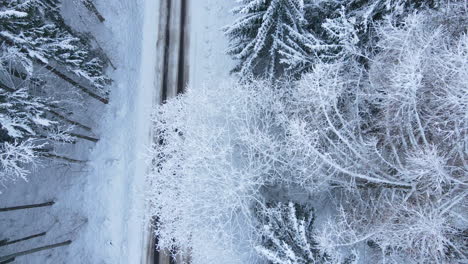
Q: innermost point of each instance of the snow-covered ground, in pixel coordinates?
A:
(99, 205)
(208, 61)
(119, 160)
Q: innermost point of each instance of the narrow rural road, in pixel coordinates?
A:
(172, 47)
(171, 78)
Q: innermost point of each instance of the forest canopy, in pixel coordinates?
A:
(343, 138)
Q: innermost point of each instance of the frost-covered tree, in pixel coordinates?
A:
(26, 124)
(15, 157)
(207, 172)
(37, 30)
(22, 113)
(419, 77)
(383, 143)
(288, 235)
(272, 37)
(25, 131)
(400, 175)
(392, 228)
(349, 23)
(25, 106)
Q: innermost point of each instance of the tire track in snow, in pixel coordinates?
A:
(173, 47)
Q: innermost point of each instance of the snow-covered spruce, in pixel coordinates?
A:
(350, 25)
(288, 235)
(33, 35)
(26, 124)
(37, 29)
(272, 37)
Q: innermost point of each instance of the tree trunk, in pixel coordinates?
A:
(6, 242)
(72, 82)
(6, 88)
(101, 50)
(91, 7)
(55, 140)
(7, 261)
(34, 250)
(72, 122)
(50, 155)
(62, 117)
(46, 154)
(84, 137)
(28, 206)
(61, 75)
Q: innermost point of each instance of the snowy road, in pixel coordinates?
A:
(172, 48)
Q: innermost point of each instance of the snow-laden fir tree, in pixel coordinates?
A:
(15, 157)
(37, 30)
(348, 24)
(288, 235)
(21, 116)
(272, 37)
(26, 124)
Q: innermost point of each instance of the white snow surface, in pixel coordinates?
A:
(100, 206)
(208, 61)
(119, 159)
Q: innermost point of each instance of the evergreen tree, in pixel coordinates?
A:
(14, 157)
(349, 24)
(21, 113)
(286, 37)
(288, 235)
(26, 123)
(272, 37)
(37, 30)
(25, 132)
